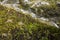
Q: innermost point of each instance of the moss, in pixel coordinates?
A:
(17, 26)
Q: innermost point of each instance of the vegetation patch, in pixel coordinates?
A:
(17, 26)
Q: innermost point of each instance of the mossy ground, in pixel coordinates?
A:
(17, 26)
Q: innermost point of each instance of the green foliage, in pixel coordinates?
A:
(17, 26)
(47, 11)
(24, 5)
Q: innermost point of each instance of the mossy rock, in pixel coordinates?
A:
(17, 26)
